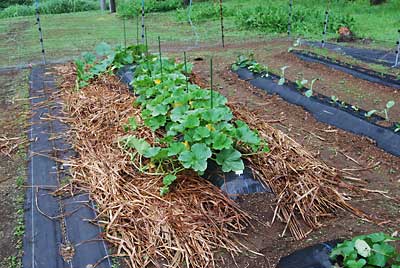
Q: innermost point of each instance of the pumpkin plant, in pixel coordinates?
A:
(369, 251)
(193, 125)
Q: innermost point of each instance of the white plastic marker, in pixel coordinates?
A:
(40, 31)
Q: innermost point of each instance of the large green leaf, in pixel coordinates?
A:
(244, 134)
(356, 264)
(196, 158)
(221, 141)
(230, 160)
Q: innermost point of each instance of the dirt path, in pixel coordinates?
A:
(13, 87)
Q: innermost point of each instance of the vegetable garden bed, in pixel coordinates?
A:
(356, 71)
(326, 109)
(382, 57)
(157, 209)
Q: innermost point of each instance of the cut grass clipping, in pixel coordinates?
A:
(185, 226)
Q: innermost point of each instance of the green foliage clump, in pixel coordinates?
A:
(205, 11)
(50, 7)
(129, 8)
(274, 19)
(194, 130)
(373, 250)
(105, 61)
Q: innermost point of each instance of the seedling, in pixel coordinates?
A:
(355, 108)
(334, 99)
(370, 113)
(301, 83)
(397, 127)
(282, 79)
(310, 92)
(389, 105)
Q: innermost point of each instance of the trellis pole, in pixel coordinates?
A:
(40, 31)
(222, 23)
(325, 24)
(143, 30)
(396, 63)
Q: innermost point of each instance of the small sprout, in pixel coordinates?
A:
(282, 80)
(389, 105)
(397, 127)
(308, 93)
(370, 113)
(301, 83)
(334, 99)
(355, 108)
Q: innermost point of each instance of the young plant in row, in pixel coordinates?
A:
(251, 64)
(384, 112)
(192, 125)
(105, 61)
(369, 251)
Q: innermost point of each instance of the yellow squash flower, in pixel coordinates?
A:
(157, 81)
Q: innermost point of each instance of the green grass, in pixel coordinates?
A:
(67, 35)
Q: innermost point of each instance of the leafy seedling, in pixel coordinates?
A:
(281, 81)
(370, 113)
(310, 92)
(301, 83)
(389, 105)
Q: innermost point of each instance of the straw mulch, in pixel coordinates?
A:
(195, 218)
(183, 227)
(306, 189)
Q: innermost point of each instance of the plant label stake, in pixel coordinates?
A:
(159, 51)
(143, 28)
(211, 82)
(186, 72)
(397, 51)
(222, 23)
(325, 25)
(124, 24)
(290, 17)
(40, 31)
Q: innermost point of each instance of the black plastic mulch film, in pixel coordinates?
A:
(356, 71)
(387, 58)
(230, 183)
(58, 231)
(340, 115)
(316, 256)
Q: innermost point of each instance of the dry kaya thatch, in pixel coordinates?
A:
(183, 227)
(305, 187)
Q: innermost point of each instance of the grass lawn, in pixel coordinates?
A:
(67, 35)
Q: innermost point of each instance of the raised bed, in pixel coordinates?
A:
(382, 57)
(340, 115)
(356, 71)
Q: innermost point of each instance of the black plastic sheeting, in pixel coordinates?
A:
(356, 71)
(230, 183)
(53, 223)
(330, 113)
(316, 256)
(387, 58)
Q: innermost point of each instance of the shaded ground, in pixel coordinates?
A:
(357, 157)
(13, 88)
